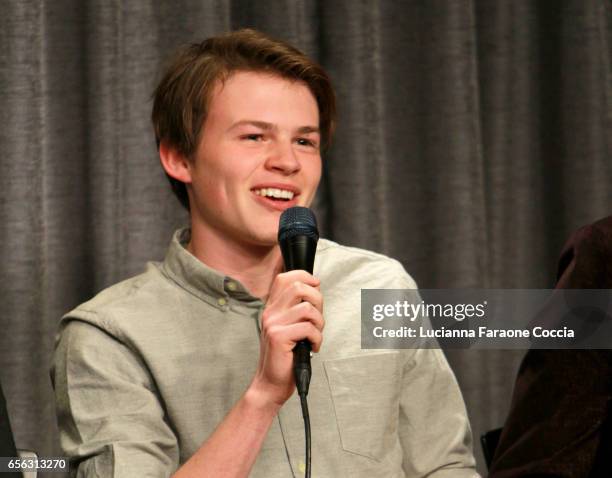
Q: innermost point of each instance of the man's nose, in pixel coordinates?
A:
(282, 157)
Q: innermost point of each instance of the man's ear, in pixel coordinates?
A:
(176, 164)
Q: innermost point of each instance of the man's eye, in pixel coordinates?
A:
(253, 137)
(306, 142)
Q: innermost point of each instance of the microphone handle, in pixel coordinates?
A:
(299, 253)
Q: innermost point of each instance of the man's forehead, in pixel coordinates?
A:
(253, 76)
(238, 82)
(259, 98)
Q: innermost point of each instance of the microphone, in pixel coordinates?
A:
(298, 236)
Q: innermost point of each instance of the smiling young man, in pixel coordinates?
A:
(187, 368)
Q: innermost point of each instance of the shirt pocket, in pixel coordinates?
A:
(365, 395)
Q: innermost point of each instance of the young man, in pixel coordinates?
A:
(187, 368)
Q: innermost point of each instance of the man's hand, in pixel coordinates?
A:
(294, 311)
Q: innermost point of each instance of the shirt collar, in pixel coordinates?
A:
(200, 280)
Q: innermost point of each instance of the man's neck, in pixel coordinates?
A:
(254, 266)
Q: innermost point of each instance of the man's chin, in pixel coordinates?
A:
(264, 240)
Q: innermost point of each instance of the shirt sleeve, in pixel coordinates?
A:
(434, 429)
(110, 417)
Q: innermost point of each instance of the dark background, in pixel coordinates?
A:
(473, 137)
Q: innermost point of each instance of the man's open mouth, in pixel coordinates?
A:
(275, 194)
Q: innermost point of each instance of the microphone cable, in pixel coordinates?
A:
(302, 373)
(304, 403)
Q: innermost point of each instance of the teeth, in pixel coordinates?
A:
(275, 193)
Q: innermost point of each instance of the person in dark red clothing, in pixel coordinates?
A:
(560, 422)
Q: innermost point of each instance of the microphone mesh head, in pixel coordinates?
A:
(297, 221)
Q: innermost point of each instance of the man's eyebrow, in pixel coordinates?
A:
(270, 127)
(258, 124)
(308, 129)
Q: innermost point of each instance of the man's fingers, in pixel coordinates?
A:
(301, 312)
(297, 275)
(294, 311)
(286, 280)
(299, 292)
(285, 337)
(305, 330)
(293, 293)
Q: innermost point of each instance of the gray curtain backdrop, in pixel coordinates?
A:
(473, 136)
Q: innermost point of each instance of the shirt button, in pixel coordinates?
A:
(231, 286)
(221, 301)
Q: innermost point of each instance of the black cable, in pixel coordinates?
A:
(302, 373)
(304, 403)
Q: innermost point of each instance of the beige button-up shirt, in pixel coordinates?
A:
(146, 370)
